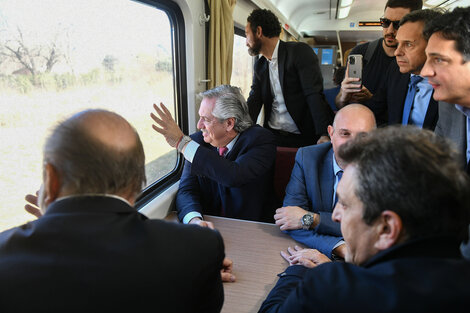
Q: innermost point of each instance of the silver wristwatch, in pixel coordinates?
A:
(307, 221)
(182, 143)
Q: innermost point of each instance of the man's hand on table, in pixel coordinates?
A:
(306, 257)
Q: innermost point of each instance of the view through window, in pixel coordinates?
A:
(60, 57)
(242, 66)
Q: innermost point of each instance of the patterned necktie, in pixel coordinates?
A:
(222, 151)
(339, 175)
(410, 96)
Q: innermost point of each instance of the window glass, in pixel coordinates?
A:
(60, 57)
(242, 66)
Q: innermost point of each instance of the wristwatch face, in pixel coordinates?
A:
(307, 220)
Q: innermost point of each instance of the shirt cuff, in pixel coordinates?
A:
(188, 217)
(190, 150)
(339, 244)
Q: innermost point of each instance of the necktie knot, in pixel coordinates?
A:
(414, 80)
(222, 151)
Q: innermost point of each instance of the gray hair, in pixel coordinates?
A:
(87, 165)
(230, 103)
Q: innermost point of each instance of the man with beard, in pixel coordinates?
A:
(377, 55)
(406, 97)
(288, 81)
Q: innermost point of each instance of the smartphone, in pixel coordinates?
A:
(355, 68)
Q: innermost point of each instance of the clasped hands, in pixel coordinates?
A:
(306, 257)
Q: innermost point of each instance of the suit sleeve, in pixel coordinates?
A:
(255, 99)
(326, 235)
(188, 195)
(212, 295)
(314, 240)
(311, 82)
(256, 159)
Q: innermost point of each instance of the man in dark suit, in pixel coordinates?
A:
(404, 208)
(91, 251)
(405, 97)
(377, 55)
(288, 81)
(448, 70)
(229, 163)
(311, 192)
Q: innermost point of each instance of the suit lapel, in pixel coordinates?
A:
(327, 181)
(431, 117)
(281, 56)
(399, 105)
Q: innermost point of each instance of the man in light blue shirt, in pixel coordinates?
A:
(448, 70)
(311, 192)
(405, 97)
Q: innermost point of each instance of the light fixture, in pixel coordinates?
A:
(343, 8)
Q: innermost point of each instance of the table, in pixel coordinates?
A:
(254, 248)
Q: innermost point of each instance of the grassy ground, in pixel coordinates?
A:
(25, 120)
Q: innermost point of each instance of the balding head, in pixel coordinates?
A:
(108, 128)
(96, 152)
(348, 122)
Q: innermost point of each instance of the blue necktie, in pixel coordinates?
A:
(410, 96)
(339, 175)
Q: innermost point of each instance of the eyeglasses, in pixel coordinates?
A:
(385, 22)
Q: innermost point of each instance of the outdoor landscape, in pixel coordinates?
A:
(50, 72)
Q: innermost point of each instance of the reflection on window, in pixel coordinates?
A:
(242, 65)
(59, 57)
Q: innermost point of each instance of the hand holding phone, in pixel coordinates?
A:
(355, 68)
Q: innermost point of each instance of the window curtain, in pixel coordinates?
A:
(220, 42)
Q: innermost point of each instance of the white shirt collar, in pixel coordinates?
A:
(275, 53)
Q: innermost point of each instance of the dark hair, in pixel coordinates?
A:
(455, 26)
(414, 173)
(408, 4)
(425, 16)
(87, 165)
(267, 20)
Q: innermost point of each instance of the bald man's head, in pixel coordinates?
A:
(348, 122)
(97, 152)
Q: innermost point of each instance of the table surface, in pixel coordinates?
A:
(254, 248)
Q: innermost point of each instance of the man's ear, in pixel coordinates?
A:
(51, 184)
(331, 130)
(259, 31)
(390, 230)
(230, 122)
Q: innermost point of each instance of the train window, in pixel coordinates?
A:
(59, 57)
(242, 64)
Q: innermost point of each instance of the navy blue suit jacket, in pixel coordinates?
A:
(421, 276)
(311, 187)
(302, 88)
(389, 101)
(241, 183)
(98, 254)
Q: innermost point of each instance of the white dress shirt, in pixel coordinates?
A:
(280, 118)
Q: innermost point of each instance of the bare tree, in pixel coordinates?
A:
(34, 58)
